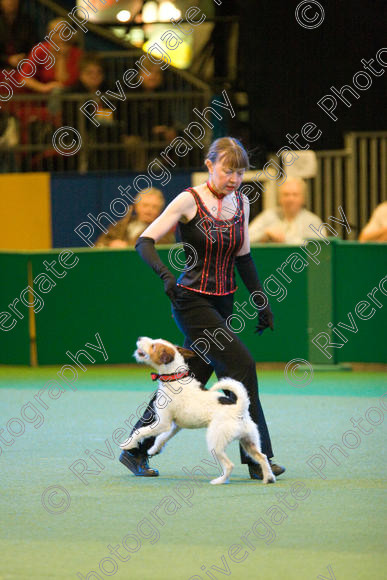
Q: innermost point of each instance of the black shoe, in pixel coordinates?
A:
(138, 464)
(255, 470)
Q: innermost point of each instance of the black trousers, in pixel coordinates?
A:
(202, 319)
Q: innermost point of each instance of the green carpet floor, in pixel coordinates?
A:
(306, 526)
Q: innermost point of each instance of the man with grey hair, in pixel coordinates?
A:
(289, 222)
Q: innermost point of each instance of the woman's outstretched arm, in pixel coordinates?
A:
(145, 244)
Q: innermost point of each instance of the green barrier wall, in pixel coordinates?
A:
(15, 343)
(109, 292)
(360, 268)
(113, 293)
(289, 339)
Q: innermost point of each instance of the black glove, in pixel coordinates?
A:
(265, 320)
(146, 248)
(249, 275)
(169, 285)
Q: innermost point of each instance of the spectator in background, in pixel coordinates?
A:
(91, 80)
(149, 119)
(289, 223)
(9, 138)
(91, 75)
(152, 111)
(145, 209)
(57, 71)
(65, 71)
(110, 130)
(376, 229)
(17, 33)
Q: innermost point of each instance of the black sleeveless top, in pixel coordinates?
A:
(210, 246)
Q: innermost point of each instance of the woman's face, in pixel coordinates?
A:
(92, 76)
(61, 33)
(223, 178)
(148, 208)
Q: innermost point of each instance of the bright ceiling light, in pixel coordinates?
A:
(150, 12)
(167, 11)
(123, 16)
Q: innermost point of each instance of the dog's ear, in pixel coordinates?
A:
(161, 353)
(166, 355)
(186, 352)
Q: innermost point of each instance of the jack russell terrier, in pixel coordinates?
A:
(193, 407)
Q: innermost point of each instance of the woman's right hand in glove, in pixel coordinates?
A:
(170, 286)
(265, 320)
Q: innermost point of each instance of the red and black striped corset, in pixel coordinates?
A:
(210, 247)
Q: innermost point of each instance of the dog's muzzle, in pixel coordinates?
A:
(140, 354)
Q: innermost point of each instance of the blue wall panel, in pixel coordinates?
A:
(109, 185)
(72, 198)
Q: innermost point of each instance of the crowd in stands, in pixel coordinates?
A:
(288, 223)
(70, 71)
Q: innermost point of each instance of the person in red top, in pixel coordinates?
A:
(63, 73)
(213, 223)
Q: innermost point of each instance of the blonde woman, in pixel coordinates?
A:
(57, 69)
(146, 207)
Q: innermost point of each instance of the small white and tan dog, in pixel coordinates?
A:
(191, 406)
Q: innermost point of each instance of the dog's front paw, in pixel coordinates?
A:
(153, 451)
(270, 479)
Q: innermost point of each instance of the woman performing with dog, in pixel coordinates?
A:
(213, 221)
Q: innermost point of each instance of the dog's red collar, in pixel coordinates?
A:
(168, 378)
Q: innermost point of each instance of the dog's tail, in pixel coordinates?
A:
(228, 384)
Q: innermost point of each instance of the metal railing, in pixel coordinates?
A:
(354, 178)
(367, 173)
(125, 140)
(328, 190)
(42, 11)
(117, 61)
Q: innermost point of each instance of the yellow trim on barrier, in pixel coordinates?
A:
(25, 207)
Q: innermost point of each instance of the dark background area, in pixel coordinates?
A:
(286, 68)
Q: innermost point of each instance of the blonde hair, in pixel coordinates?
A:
(54, 23)
(231, 151)
(152, 191)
